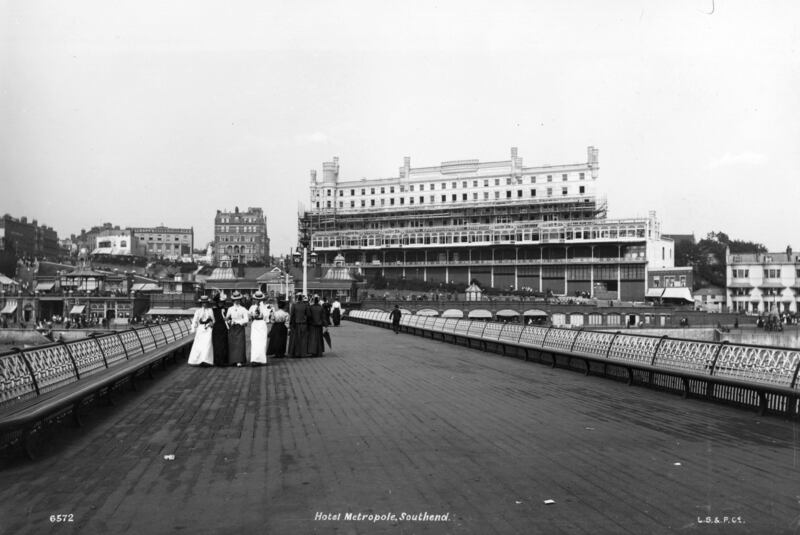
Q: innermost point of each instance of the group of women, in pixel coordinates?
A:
(219, 333)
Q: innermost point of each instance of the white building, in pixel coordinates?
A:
(763, 282)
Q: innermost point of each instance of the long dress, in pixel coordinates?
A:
(298, 325)
(316, 346)
(220, 337)
(259, 329)
(202, 351)
(237, 341)
(336, 313)
(277, 335)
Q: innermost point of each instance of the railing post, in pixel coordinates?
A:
(71, 358)
(30, 369)
(99, 345)
(716, 356)
(140, 339)
(655, 350)
(794, 376)
(122, 343)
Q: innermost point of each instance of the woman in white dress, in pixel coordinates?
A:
(202, 353)
(261, 317)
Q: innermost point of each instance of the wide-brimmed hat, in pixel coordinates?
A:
(258, 295)
(236, 296)
(204, 299)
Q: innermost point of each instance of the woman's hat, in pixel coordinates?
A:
(204, 299)
(258, 295)
(236, 295)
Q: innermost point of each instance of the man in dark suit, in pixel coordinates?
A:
(394, 315)
(299, 317)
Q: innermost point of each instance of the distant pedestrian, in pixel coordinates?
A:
(299, 317)
(336, 313)
(394, 315)
(219, 332)
(261, 316)
(317, 322)
(238, 319)
(278, 333)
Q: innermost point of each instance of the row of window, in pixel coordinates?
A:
(231, 239)
(768, 273)
(236, 230)
(443, 185)
(454, 198)
(239, 219)
(161, 238)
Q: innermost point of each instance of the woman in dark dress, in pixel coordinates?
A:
(277, 335)
(238, 318)
(219, 333)
(317, 321)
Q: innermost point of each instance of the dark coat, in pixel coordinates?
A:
(300, 314)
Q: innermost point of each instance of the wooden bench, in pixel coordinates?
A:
(47, 382)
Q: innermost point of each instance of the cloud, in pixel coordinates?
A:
(316, 137)
(743, 158)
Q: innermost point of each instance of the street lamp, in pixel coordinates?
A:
(305, 241)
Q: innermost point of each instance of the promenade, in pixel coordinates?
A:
(390, 424)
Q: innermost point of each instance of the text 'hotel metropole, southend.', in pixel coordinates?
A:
(507, 225)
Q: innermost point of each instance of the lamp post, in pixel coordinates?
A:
(305, 241)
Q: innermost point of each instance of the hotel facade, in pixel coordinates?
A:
(763, 282)
(506, 225)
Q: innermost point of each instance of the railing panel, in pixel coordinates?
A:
(476, 329)
(88, 357)
(511, 333)
(405, 319)
(560, 340)
(449, 326)
(593, 343)
(52, 367)
(131, 343)
(688, 355)
(147, 338)
(16, 383)
(438, 325)
(113, 349)
(764, 365)
(637, 349)
(492, 331)
(461, 328)
(533, 336)
(158, 335)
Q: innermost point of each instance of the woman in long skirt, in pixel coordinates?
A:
(277, 335)
(261, 316)
(316, 346)
(219, 334)
(202, 352)
(336, 312)
(237, 318)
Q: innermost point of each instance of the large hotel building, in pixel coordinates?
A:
(504, 224)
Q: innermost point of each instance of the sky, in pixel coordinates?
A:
(142, 113)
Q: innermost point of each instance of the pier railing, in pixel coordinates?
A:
(746, 375)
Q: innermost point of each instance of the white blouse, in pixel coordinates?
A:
(201, 315)
(238, 315)
(264, 309)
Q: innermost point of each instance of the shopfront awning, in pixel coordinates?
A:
(146, 287)
(157, 311)
(535, 313)
(44, 286)
(5, 280)
(678, 293)
(452, 313)
(427, 312)
(479, 314)
(10, 307)
(654, 292)
(771, 285)
(77, 309)
(506, 313)
(740, 285)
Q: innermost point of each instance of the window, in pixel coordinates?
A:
(486, 195)
(656, 281)
(533, 180)
(391, 189)
(496, 194)
(391, 201)
(549, 192)
(496, 181)
(533, 193)
(444, 198)
(317, 204)
(455, 185)
(411, 187)
(474, 196)
(402, 200)
(454, 197)
(519, 193)
(363, 191)
(352, 192)
(372, 191)
(341, 204)
(341, 193)
(363, 203)
(581, 176)
(508, 194)
(444, 185)
(329, 204)
(352, 204)
(563, 191)
(464, 197)
(433, 198)
(508, 181)
(485, 182)
(329, 193)
(564, 177)
(383, 202)
(422, 187)
(421, 199)
(402, 189)
(474, 183)
(383, 190)
(411, 200)
(582, 189)
(549, 178)
(464, 184)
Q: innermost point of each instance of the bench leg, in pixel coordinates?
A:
(29, 443)
(762, 403)
(685, 381)
(76, 415)
(588, 370)
(630, 376)
(553, 356)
